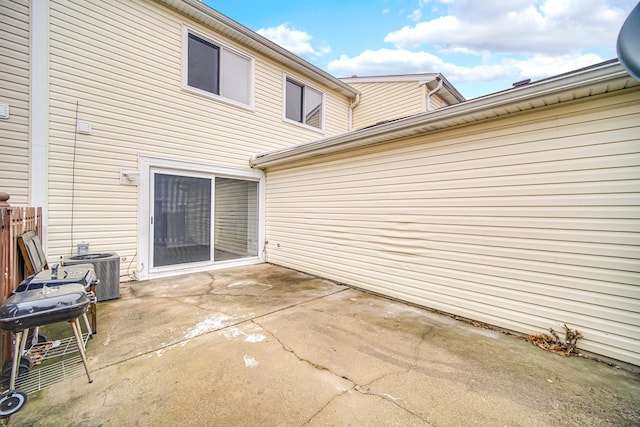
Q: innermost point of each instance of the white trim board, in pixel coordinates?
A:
(146, 165)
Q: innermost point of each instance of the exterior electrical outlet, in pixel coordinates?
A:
(4, 111)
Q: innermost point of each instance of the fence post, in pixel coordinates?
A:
(14, 221)
(5, 273)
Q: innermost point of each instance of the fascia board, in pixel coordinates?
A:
(426, 77)
(547, 92)
(452, 90)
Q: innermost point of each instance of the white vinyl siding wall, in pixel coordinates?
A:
(121, 61)
(15, 92)
(387, 101)
(526, 222)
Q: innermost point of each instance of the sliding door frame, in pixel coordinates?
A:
(151, 165)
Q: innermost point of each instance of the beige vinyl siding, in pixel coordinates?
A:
(14, 91)
(437, 102)
(526, 222)
(120, 63)
(387, 101)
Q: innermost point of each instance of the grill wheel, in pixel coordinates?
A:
(11, 402)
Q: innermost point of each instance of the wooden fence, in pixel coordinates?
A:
(14, 221)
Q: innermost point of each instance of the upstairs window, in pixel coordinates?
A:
(304, 104)
(214, 69)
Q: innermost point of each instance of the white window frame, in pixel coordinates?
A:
(303, 83)
(149, 165)
(222, 46)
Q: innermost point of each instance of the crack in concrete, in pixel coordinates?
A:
(362, 389)
(365, 390)
(314, 365)
(388, 397)
(414, 364)
(183, 341)
(301, 359)
(327, 404)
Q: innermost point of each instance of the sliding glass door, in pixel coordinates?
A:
(236, 219)
(181, 219)
(185, 207)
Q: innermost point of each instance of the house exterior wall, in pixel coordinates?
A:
(118, 66)
(437, 102)
(381, 101)
(14, 92)
(525, 222)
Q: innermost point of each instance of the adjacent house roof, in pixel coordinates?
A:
(601, 78)
(449, 93)
(202, 13)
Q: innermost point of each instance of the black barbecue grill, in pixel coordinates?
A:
(76, 274)
(52, 296)
(38, 307)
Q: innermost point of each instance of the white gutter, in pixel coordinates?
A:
(437, 88)
(351, 108)
(545, 92)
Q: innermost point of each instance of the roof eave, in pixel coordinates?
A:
(545, 92)
(214, 19)
(452, 90)
(419, 78)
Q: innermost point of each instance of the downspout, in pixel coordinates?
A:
(351, 108)
(437, 88)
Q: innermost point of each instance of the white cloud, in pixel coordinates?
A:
(493, 43)
(416, 15)
(401, 61)
(541, 66)
(385, 61)
(296, 41)
(519, 26)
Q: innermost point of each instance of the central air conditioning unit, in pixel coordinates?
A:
(107, 267)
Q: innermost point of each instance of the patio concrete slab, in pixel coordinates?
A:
(264, 345)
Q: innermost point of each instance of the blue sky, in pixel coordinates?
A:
(480, 46)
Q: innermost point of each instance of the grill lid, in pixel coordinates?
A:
(42, 306)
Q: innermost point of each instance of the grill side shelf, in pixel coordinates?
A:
(53, 371)
(48, 375)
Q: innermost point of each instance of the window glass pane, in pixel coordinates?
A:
(236, 219)
(236, 72)
(203, 64)
(313, 107)
(181, 220)
(294, 101)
